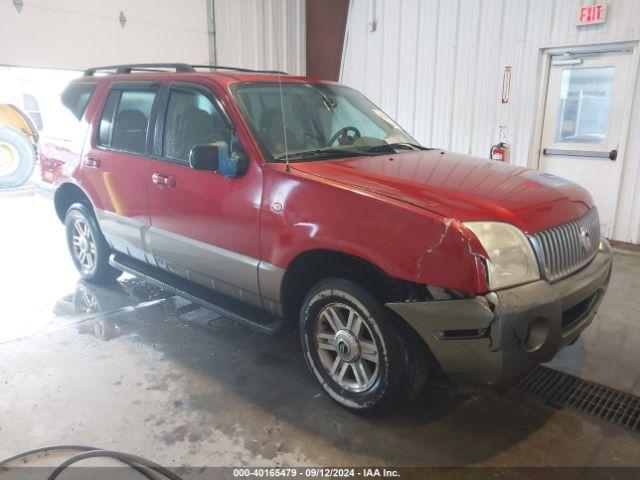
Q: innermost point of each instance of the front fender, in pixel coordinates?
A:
(301, 212)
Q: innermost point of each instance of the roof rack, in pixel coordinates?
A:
(159, 67)
(148, 67)
(238, 69)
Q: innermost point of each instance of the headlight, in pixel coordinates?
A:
(511, 258)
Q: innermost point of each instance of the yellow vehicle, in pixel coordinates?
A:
(18, 144)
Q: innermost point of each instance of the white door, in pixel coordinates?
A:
(586, 101)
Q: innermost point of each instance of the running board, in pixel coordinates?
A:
(251, 316)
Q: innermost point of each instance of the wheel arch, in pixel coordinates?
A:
(312, 266)
(66, 195)
(14, 117)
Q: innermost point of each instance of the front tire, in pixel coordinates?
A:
(89, 250)
(361, 354)
(17, 157)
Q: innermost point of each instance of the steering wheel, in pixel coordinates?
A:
(343, 134)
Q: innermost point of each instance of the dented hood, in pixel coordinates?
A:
(462, 187)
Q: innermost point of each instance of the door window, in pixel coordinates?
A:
(191, 119)
(125, 120)
(583, 109)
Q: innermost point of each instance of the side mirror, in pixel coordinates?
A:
(207, 156)
(232, 159)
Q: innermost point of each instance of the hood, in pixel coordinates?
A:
(462, 187)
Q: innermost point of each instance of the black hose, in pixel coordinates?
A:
(143, 466)
(70, 448)
(126, 458)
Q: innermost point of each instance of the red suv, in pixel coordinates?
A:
(270, 198)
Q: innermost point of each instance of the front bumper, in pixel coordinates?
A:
(492, 338)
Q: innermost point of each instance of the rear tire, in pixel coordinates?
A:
(17, 157)
(89, 250)
(364, 357)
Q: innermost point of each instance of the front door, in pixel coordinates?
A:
(587, 96)
(204, 226)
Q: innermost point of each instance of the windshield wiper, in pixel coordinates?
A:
(344, 153)
(321, 152)
(392, 147)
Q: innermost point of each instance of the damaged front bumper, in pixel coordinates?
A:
(492, 338)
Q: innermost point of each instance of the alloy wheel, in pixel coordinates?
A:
(347, 348)
(84, 245)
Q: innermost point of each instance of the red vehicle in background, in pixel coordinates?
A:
(272, 198)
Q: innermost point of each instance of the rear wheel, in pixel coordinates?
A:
(89, 250)
(362, 355)
(17, 157)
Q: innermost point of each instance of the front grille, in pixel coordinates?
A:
(565, 249)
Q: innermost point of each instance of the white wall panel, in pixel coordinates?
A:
(263, 34)
(437, 66)
(75, 34)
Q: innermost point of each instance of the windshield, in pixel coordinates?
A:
(302, 121)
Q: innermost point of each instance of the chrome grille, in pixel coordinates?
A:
(567, 248)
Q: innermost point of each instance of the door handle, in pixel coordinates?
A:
(91, 162)
(613, 155)
(163, 180)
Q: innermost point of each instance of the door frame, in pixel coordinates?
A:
(544, 69)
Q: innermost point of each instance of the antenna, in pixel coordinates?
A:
(284, 122)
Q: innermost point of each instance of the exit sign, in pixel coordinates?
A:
(592, 15)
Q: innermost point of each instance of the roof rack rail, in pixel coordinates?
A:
(238, 69)
(148, 67)
(178, 67)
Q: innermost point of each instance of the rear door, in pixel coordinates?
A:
(204, 226)
(114, 167)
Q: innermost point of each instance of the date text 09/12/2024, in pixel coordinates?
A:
(316, 472)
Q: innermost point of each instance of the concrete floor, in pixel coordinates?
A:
(129, 368)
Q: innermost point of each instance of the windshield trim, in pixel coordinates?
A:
(268, 156)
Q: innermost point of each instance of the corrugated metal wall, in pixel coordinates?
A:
(264, 34)
(437, 67)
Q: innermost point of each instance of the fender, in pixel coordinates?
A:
(16, 118)
(302, 212)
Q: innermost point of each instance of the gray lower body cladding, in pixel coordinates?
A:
(239, 276)
(492, 338)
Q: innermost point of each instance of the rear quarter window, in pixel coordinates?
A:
(76, 98)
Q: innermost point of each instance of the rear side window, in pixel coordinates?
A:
(125, 120)
(76, 98)
(192, 119)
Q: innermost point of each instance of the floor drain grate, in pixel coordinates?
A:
(560, 389)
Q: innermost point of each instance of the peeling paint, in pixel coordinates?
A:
(447, 224)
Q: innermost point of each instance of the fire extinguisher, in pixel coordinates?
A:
(499, 152)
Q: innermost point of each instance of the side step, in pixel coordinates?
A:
(251, 316)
